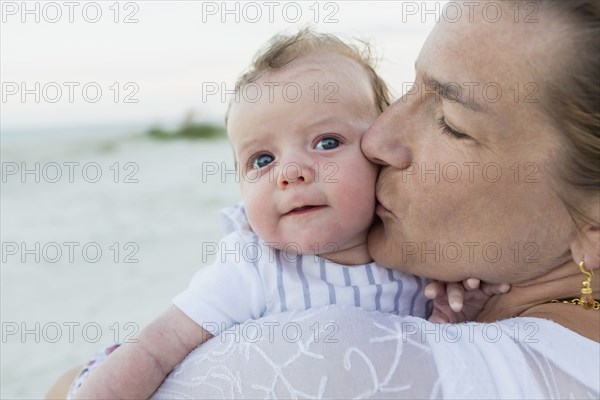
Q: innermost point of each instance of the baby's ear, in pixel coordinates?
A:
(586, 246)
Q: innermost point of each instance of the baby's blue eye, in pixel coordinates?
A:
(262, 161)
(327, 143)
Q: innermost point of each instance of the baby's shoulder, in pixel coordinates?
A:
(233, 218)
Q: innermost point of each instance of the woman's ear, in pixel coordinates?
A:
(586, 246)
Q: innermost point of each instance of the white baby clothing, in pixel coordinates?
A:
(250, 279)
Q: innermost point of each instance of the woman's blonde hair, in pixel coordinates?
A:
(572, 100)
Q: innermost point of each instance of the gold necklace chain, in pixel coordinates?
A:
(577, 301)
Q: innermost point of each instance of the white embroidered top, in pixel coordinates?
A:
(346, 352)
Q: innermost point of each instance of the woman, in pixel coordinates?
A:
(489, 169)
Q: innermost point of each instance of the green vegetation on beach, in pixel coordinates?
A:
(189, 130)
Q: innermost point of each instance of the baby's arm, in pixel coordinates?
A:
(135, 370)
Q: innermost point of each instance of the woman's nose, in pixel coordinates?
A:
(294, 173)
(386, 142)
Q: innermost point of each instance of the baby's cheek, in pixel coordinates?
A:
(364, 179)
(373, 173)
(256, 206)
(359, 192)
(260, 223)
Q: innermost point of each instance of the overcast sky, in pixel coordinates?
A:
(162, 54)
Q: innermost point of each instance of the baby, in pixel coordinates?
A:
(307, 190)
(300, 238)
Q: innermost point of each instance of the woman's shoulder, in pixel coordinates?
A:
(348, 352)
(520, 357)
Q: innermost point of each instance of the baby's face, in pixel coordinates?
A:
(306, 185)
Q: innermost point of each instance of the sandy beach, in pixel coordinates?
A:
(89, 259)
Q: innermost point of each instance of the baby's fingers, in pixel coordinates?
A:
(456, 296)
(494, 288)
(471, 283)
(434, 290)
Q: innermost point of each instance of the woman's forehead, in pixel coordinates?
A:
(504, 67)
(482, 51)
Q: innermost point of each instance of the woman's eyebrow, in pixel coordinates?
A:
(454, 92)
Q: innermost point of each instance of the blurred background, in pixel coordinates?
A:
(114, 160)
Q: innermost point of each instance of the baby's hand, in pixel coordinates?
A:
(462, 301)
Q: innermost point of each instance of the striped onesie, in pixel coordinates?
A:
(250, 279)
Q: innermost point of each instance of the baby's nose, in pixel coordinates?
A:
(294, 173)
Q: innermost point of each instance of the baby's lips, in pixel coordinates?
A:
(304, 209)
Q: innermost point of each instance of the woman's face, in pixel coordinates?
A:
(469, 157)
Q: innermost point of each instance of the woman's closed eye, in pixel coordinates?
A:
(448, 130)
(260, 161)
(327, 143)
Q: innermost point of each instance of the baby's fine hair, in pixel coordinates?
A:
(283, 49)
